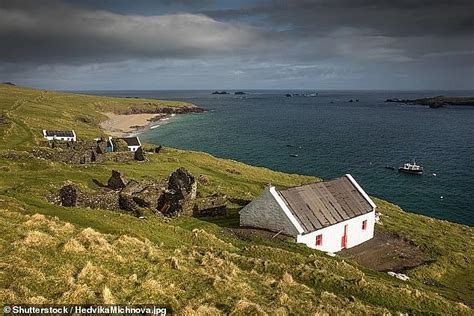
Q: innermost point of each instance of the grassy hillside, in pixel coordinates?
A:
(75, 255)
(25, 112)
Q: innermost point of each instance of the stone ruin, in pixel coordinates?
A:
(180, 198)
(116, 181)
(182, 187)
(175, 197)
(68, 195)
(87, 151)
(139, 154)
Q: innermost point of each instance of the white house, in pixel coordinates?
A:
(69, 136)
(328, 216)
(133, 143)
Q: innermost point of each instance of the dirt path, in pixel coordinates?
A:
(386, 252)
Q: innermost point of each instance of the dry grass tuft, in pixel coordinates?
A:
(38, 239)
(66, 273)
(78, 294)
(95, 241)
(152, 286)
(174, 263)
(37, 218)
(247, 308)
(107, 296)
(130, 243)
(7, 295)
(281, 311)
(52, 225)
(203, 310)
(38, 300)
(283, 299)
(287, 279)
(74, 246)
(90, 274)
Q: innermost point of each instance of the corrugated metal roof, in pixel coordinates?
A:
(322, 204)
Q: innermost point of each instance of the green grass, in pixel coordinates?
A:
(29, 111)
(78, 255)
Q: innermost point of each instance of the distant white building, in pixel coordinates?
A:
(328, 216)
(69, 136)
(133, 143)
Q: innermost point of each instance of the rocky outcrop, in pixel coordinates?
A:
(158, 149)
(183, 182)
(436, 102)
(116, 181)
(139, 154)
(68, 196)
(3, 120)
(203, 180)
(150, 108)
(127, 204)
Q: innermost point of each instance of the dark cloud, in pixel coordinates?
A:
(264, 43)
(56, 32)
(380, 17)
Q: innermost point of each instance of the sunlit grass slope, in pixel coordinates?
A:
(26, 112)
(52, 254)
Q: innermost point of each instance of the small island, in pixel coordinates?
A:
(436, 102)
(220, 92)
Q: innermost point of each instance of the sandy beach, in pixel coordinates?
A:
(123, 125)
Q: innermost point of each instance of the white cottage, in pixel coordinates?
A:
(328, 216)
(69, 136)
(133, 143)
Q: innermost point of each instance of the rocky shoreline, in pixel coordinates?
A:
(436, 102)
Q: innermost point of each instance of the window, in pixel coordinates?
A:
(319, 240)
(364, 225)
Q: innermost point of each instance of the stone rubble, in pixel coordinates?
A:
(175, 197)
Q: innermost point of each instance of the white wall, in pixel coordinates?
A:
(69, 139)
(332, 235)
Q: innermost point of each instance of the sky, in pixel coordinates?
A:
(240, 44)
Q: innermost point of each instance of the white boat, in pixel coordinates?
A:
(411, 168)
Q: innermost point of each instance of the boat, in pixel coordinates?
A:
(411, 168)
(293, 155)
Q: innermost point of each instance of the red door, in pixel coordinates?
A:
(344, 238)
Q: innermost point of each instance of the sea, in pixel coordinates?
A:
(324, 134)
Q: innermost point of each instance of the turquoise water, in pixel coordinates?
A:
(332, 136)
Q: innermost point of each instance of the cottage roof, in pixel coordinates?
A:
(132, 141)
(322, 204)
(58, 133)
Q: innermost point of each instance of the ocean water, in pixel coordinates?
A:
(332, 136)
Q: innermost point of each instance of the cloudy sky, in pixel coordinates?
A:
(238, 44)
